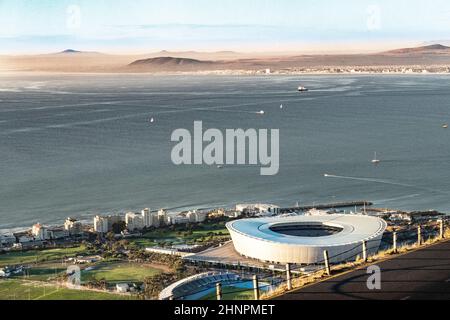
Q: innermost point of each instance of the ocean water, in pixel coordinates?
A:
(79, 145)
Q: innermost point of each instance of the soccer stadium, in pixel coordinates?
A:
(303, 239)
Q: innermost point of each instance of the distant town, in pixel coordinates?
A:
(130, 224)
(133, 224)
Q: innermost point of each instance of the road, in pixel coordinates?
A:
(421, 274)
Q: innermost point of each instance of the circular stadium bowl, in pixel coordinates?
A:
(303, 239)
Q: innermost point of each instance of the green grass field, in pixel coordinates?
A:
(32, 290)
(115, 272)
(44, 271)
(27, 257)
(153, 238)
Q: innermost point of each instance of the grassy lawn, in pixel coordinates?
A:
(181, 236)
(43, 272)
(115, 272)
(24, 290)
(26, 257)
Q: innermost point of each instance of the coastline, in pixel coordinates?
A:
(233, 72)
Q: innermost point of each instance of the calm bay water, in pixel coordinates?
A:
(80, 145)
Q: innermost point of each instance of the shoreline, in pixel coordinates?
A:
(87, 219)
(249, 73)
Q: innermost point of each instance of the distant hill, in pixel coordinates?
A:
(168, 61)
(71, 60)
(75, 53)
(197, 55)
(431, 49)
(69, 51)
(169, 64)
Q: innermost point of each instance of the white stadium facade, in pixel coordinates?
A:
(303, 239)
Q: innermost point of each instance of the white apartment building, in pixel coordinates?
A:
(147, 217)
(196, 216)
(73, 226)
(163, 218)
(134, 221)
(101, 224)
(179, 219)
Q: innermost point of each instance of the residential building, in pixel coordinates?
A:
(147, 218)
(56, 233)
(40, 232)
(178, 219)
(104, 224)
(196, 216)
(232, 214)
(134, 221)
(163, 218)
(112, 220)
(7, 240)
(23, 237)
(73, 226)
(100, 224)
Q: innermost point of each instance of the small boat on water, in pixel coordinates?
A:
(376, 160)
(445, 126)
(262, 112)
(302, 89)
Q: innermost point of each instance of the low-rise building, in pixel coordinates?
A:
(7, 271)
(7, 240)
(24, 237)
(196, 216)
(178, 219)
(219, 213)
(257, 208)
(57, 233)
(233, 214)
(40, 232)
(122, 287)
(4, 273)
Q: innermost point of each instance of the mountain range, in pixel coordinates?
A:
(71, 60)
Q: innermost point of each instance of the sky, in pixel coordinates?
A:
(139, 26)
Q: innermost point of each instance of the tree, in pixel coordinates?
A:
(110, 236)
(118, 227)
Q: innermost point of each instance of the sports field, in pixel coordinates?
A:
(35, 290)
(35, 256)
(116, 272)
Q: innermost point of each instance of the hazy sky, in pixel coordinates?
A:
(246, 25)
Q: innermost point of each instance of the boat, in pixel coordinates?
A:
(445, 126)
(302, 89)
(261, 112)
(281, 106)
(375, 160)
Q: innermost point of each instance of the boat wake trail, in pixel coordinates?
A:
(370, 180)
(388, 182)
